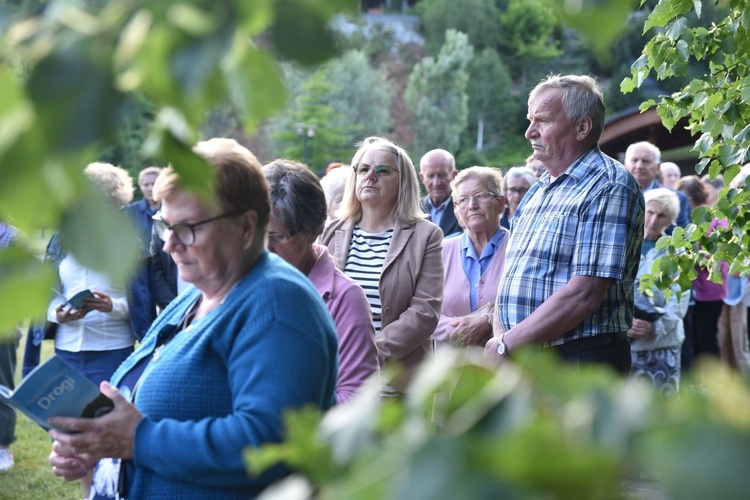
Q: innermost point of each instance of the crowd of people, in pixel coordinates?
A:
(280, 290)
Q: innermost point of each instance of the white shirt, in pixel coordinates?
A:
(97, 331)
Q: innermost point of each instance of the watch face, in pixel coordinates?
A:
(500, 347)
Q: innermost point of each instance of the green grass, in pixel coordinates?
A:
(32, 477)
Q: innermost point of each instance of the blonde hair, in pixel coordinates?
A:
(114, 182)
(407, 209)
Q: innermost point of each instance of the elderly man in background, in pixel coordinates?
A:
(670, 174)
(643, 160)
(437, 169)
(574, 251)
(144, 209)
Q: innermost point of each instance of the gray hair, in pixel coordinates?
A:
(667, 199)
(582, 97)
(655, 151)
(490, 177)
(114, 182)
(407, 203)
(148, 171)
(297, 198)
(334, 182)
(520, 173)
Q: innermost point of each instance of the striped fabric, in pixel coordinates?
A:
(588, 222)
(364, 264)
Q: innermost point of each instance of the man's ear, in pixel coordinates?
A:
(583, 129)
(421, 177)
(455, 173)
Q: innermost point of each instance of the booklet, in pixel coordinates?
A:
(56, 389)
(76, 301)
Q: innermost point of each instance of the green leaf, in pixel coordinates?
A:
(172, 142)
(24, 287)
(745, 89)
(300, 33)
(117, 253)
(665, 11)
(16, 114)
(675, 29)
(627, 85)
(74, 98)
(254, 81)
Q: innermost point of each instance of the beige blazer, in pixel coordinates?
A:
(411, 291)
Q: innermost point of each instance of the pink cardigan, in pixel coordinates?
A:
(456, 288)
(347, 303)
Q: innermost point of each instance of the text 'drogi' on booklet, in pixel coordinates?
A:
(56, 389)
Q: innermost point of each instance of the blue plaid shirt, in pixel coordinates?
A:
(587, 222)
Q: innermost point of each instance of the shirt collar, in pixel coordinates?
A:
(467, 248)
(578, 170)
(442, 206)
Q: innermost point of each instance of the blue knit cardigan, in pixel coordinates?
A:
(223, 384)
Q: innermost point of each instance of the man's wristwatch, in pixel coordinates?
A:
(502, 350)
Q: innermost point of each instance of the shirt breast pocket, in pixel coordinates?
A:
(555, 237)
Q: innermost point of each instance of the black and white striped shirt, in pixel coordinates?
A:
(364, 265)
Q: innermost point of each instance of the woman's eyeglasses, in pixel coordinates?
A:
(479, 197)
(278, 238)
(362, 169)
(184, 231)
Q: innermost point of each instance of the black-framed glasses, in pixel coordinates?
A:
(362, 169)
(184, 231)
(479, 197)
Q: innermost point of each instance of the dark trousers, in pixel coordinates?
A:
(705, 328)
(686, 355)
(608, 349)
(7, 371)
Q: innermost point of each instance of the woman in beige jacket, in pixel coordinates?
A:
(382, 241)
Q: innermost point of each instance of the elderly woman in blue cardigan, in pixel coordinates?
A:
(473, 261)
(221, 364)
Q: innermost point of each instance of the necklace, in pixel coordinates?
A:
(186, 323)
(224, 298)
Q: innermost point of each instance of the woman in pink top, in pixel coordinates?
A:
(473, 261)
(709, 296)
(298, 214)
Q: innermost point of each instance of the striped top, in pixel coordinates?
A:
(364, 265)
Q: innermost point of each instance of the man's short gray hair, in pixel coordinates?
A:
(582, 97)
(655, 151)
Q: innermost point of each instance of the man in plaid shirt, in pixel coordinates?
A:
(575, 239)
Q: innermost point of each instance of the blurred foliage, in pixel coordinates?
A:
(309, 132)
(489, 96)
(70, 73)
(717, 107)
(436, 95)
(477, 18)
(345, 100)
(534, 428)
